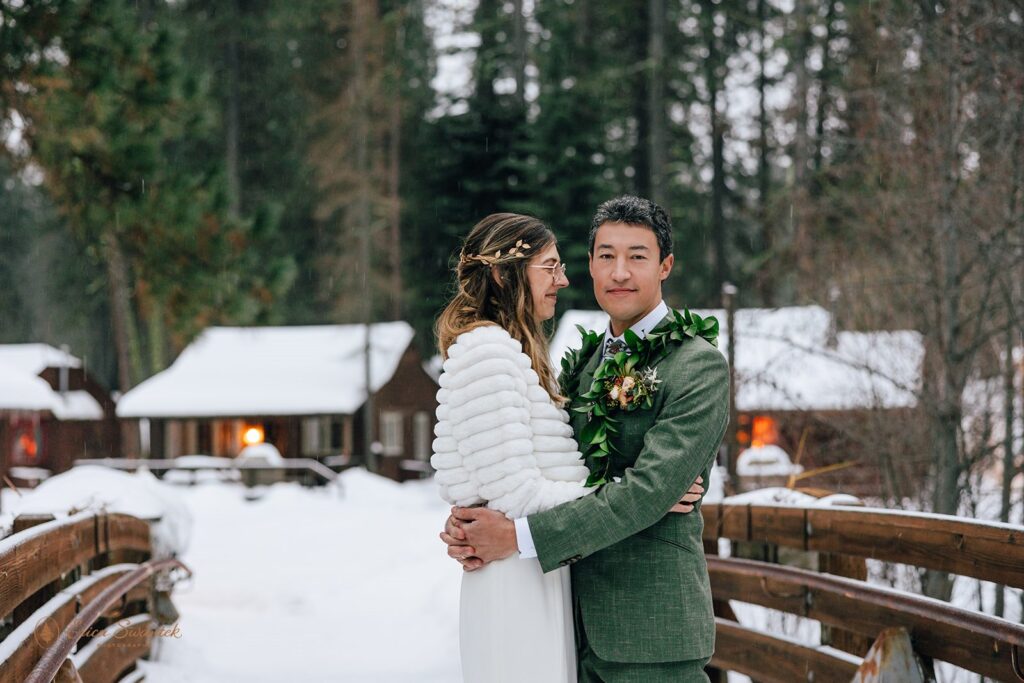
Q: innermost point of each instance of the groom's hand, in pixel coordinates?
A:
(476, 536)
(685, 503)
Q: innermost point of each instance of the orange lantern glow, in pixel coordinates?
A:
(253, 434)
(763, 432)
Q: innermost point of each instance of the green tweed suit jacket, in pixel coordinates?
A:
(638, 573)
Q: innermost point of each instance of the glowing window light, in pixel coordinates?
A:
(764, 432)
(252, 435)
(27, 446)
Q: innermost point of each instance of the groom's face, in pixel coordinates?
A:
(627, 272)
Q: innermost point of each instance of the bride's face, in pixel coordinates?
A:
(545, 276)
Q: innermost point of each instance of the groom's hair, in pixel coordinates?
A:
(634, 211)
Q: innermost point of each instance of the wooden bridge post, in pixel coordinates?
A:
(723, 610)
(24, 611)
(851, 568)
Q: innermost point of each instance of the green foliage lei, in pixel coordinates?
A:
(622, 383)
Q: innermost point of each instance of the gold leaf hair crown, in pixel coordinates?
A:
(513, 253)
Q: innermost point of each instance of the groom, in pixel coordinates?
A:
(640, 582)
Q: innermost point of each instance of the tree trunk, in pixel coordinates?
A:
(394, 178)
(365, 15)
(584, 19)
(802, 248)
(157, 338)
(1014, 327)
(800, 142)
(713, 75)
(1009, 403)
(641, 114)
(949, 244)
(519, 46)
(950, 411)
(126, 344)
(766, 285)
(126, 338)
(231, 114)
(823, 95)
(656, 137)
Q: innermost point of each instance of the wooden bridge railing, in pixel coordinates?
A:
(250, 472)
(843, 538)
(87, 581)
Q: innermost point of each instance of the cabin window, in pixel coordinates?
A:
(391, 432)
(321, 435)
(27, 436)
(190, 437)
(181, 437)
(145, 436)
(227, 437)
(421, 434)
(756, 431)
(348, 437)
(172, 439)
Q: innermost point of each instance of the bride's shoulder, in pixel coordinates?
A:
(484, 351)
(484, 335)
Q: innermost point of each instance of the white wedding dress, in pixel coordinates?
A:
(501, 441)
(515, 624)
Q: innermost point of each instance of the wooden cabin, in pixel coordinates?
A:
(52, 411)
(300, 388)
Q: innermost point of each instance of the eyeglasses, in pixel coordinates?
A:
(557, 270)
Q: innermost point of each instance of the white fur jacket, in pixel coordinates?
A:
(501, 440)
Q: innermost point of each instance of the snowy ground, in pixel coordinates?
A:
(304, 585)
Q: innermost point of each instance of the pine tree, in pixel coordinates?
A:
(477, 162)
(110, 108)
(16, 207)
(569, 141)
(257, 57)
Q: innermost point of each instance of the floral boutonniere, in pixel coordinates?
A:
(631, 390)
(623, 383)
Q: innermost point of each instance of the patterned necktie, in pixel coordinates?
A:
(613, 346)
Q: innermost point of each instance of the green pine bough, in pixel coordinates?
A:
(622, 383)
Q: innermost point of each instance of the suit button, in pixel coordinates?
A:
(574, 558)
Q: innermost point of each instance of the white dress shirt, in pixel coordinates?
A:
(524, 539)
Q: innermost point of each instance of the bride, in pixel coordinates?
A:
(504, 441)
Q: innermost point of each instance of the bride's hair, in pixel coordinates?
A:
(499, 248)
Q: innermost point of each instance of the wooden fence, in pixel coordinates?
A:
(307, 470)
(835, 592)
(85, 583)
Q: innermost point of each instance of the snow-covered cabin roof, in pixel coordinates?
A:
(784, 362)
(34, 358)
(243, 371)
(21, 388)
